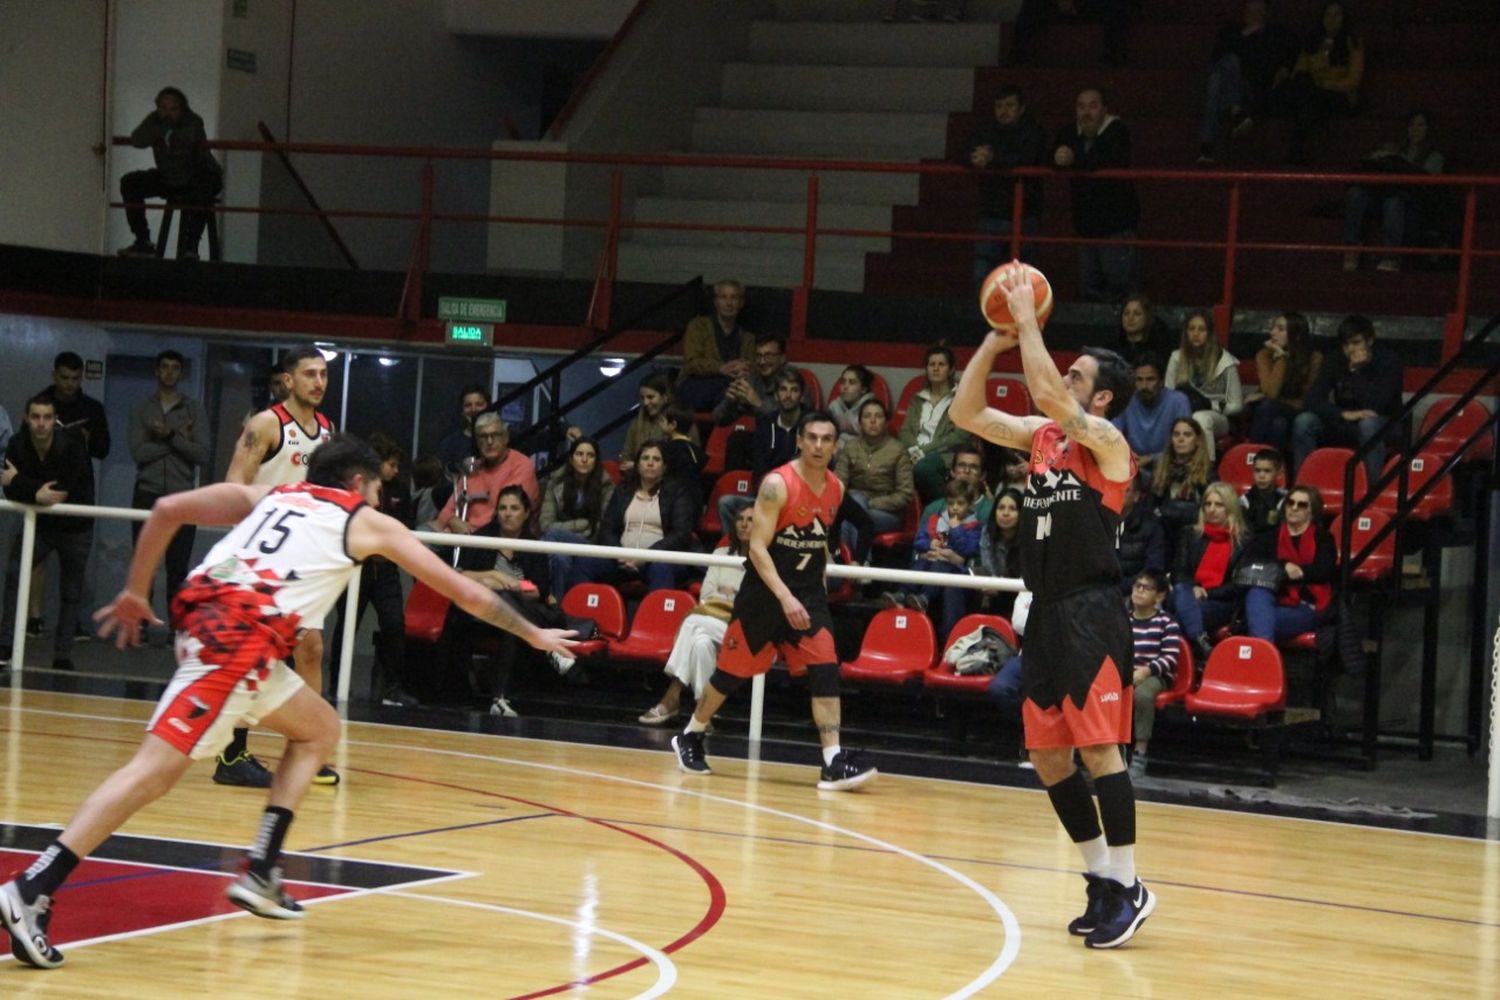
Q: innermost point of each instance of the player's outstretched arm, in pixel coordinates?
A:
(374, 533)
(969, 410)
(250, 450)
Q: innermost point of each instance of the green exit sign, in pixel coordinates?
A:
(471, 310)
(471, 334)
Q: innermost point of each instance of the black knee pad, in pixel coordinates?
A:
(823, 680)
(725, 683)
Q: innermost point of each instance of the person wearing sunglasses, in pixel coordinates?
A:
(1305, 551)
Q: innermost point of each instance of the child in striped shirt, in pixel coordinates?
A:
(1157, 648)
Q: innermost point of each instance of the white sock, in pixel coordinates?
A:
(694, 726)
(1095, 856)
(829, 753)
(1122, 864)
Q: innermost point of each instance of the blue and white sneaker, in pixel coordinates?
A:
(27, 925)
(1094, 912)
(1125, 910)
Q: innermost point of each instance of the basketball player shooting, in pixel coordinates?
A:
(1077, 668)
(286, 560)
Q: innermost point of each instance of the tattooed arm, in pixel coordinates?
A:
(969, 411)
(250, 450)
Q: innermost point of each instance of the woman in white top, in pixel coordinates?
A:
(695, 652)
(1208, 374)
(928, 434)
(854, 390)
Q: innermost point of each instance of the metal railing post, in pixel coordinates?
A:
(351, 626)
(23, 590)
(1453, 336)
(1225, 310)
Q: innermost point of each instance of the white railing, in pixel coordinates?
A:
(346, 655)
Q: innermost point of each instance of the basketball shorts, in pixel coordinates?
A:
(1076, 671)
(753, 641)
(218, 687)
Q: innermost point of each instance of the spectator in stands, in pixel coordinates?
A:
(498, 468)
(776, 432)
(169, 440)
(968, 467)
(656, 396)
(1305, 551)
(45, 466)
(1014, 467)
(716, 350)
(1208, 375)
(1113, 17)
(647, 511)
(1285, 367)
(1141, 545)
(1141, 331)
(1012, 138)
(380, 585)
(695, 651)
(854, 392)
(79, 414)
(946, 542)
(1262, 500)
(573, 505)
(754, 394)
(1203, 591)
(1147, 419)
(1404, 211)
(928, 433)
(458, 444)
(1325, 79)
(1250, 58)
(1350, 401)
(1000, 552)
(1102, 209)
(186, 173)
(1179, 479)
(876, 472)
(1156, 638)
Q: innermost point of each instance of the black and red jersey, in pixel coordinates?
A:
(1070, 516)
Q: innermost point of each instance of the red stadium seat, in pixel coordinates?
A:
(601, 603)
(740, 482)
(898, 647)
(1243, 679)
(1421, 468)
(426, 611)
(898, 416)
(1324, 470)
(1237, 466)
(718, 441)
(904, 535)
(654, 628)
(940, 675)
(1008, 395)
(1379, 563)
(1182, 681)
(812, 392)
(612, 470)
(1469, 418)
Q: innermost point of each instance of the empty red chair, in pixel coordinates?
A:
(741, 483)
(603, 604)
(1469, 418)
(941, 676)
(1421, 468)
(1182, 681)
(1324, 469)
(1237, 466)
(1008, 395)
(426, 611)
(904, 535)
(1379, 563)
(654, 628)
(1244, 679)
(898, 647)
(718, 442)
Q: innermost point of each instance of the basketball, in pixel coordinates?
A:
(997, 311)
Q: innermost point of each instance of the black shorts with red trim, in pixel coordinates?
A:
(1076, 671)
(756, 637)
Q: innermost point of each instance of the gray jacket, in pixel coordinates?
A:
(166, 464)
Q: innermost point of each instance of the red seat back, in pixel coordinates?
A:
(812, 392)
(1421, 469)
(969, 623)
(612, 470)
(718, 442)
(905, 534)
(898, 416)
(1469, 418)
(1244, 677)
(598, 601)
(658, 617)
(1182, 680)
(899, 639)
(1379, 563)
(740, 482)
(426, 611)
(1237, 466)
(1008, 395)
(1324, 469)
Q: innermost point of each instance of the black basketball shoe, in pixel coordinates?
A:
(1094, 912)
(845, 774)
(1127, 908)
(690, 756)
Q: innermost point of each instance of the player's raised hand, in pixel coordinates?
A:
(1019, 294)
(121, 619)
(1003, 340)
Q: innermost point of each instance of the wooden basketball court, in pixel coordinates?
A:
(459, 864)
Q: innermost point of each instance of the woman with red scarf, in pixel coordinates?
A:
(1304, 548)
(1203, 592)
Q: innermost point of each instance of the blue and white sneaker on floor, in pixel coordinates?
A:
(27, 925)
(1126, 909)
(1093, 913)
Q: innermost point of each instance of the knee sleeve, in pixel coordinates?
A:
(823, 680)
(725, 683)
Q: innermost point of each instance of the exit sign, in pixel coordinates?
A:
(471, 334)
(471, 310)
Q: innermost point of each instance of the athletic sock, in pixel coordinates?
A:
(1096, 856)
(829, 753)
(1075, 808)
(1122, 864)
(47, 873)
(266, 850)
(694, 726)
(238, 743)
(1117, 812)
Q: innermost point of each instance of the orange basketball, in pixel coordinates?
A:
(997, 311)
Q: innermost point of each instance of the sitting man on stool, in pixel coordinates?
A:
(186, 173)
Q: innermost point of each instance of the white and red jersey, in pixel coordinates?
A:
(287, 462)
(277, 572)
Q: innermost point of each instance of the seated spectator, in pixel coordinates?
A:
(1209, 375)
(1012, 138)
(1251, 57)
(695, 651)
(1179, 478)
(498, 468)
(946, 543)
(1147, 419)
(1350, 401)
(1141, 331)
(1103, 209)
(647, 511)
(716, 350)
(1141, 545)
(1405, 211)
(1014, 467)
(573, 505)
(684, 458)
(458, 444)
(1113, 17)
(775, 439)
(1285, 367)
(1263, 499)
(876, 472)
(1156, 637)
(968, 468)
(1325, 79)
(928, 433)
(186, 173)
(1308, 559)
(854, 392)
(754, 394)
(656, 396)
(1203, 590)
(1000, 552)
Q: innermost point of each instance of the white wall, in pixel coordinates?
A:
(51, 117)
(248, 98)
(536, 18)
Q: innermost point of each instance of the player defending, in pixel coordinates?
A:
(782, 606)
(238, 618)
(273, 450)
(1076, 685)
